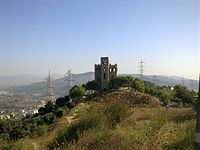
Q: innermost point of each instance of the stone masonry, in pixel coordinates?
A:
(104, 72)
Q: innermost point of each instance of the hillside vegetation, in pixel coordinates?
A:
(122, 119)
(110, 124)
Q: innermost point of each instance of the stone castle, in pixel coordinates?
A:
(104, 72)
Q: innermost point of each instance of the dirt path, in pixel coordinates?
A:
(35, 146)
(73, 118)
(40, 143)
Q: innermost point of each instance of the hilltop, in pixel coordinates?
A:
(121, 119)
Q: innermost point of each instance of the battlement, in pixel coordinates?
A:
(104, 72)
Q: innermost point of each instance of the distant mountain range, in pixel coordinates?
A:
(8, 81)
(61, 84)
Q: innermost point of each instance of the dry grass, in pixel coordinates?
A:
(146, 128)
(133, 99)
(156, 129)
(149, 127)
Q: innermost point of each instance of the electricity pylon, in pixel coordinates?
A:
(69, 79)
(50, 93)
(141, 68)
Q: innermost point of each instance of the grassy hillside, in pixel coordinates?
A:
(117, 120)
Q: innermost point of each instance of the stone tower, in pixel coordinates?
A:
(104, 72)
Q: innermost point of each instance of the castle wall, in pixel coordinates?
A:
(104, 72)
(113, 71)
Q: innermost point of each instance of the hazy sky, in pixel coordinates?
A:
(36, 35)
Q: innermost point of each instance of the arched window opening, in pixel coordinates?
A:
(104, 75)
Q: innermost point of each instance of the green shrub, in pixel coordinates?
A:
(17, 133)
(42, 130)
(116, 113)
(49, 118)
(118, 82)
(71, 105)
(138, 85)
(76, 91)
(60, 113)
(62, 101)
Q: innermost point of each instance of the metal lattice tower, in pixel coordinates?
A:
(50, 93)
(69, 79)
(141, 68)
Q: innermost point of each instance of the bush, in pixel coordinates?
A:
(71, 105)
(62, 101)
(76, 91)
(138, 85)
(60, 112)
(49, 107)
(42, 111)
(17, 133)
(42, 130)
(116, 113)
(49, 118)
(118, 82)
(91, 85)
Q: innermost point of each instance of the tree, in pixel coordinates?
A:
(150, 88)
(168, 93)
(17, 133)
(138, 85)
(184, 94)
(164, 100)
(62, 101)
(91, 85)
(119, 82)
(42, 111)
(49, 118)
(178, 101)
(60, 112)
(76, 91)
(49, 107)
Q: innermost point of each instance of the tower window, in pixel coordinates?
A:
(104, 76)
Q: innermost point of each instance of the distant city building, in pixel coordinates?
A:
(2, 92)
(104, 72)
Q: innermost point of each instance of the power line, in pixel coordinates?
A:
(141, 68)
